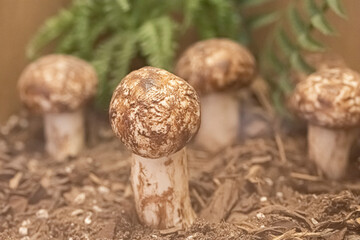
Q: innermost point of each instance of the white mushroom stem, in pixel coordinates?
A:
(161, 191)
(64, 134)
(220, 121)
(330, 148)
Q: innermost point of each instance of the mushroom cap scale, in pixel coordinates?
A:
(329, 98)
(57, 83)
(216, 65)
(154, 112)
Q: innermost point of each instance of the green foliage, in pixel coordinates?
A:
(111, 34)
(115, 34)
(291, 38)
(253, 22)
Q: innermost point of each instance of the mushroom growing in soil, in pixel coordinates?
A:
(58, 86)
(155, 114)
(216, 68)
(330, 101)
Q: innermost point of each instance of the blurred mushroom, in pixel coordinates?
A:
(155, 114)
(330, 101)
(216, 68)
(58, 86)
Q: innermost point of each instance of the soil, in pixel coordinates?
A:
(264, 187)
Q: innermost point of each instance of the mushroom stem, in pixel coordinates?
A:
(220, 121)
(330, 148)
(161, 191)
(64, 134)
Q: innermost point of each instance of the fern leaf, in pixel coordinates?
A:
(297, 62)
(310, 44)
(52, 29)
(102, 63)
(284, 83)
(252, 3)
(124, 5)
(317, 18)
(311, 7)
(122, 58)
(81, 31)
(337, 7)
(149, 43)
(296, 21)
(275, 61)
(166, 29)
(66, 44)
(261, 20)
(191, 8)
(278, 101)
(320, 23)
(284, 42)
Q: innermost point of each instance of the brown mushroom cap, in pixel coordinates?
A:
(57, 83)
(329, 98)
(154, 112)
(216, 65)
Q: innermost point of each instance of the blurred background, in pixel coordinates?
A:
(20, 19)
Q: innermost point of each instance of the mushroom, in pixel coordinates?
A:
(216, 68)
(58, 86)
(330, 101)
(155, 113)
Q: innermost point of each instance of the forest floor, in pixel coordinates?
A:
(262, 188)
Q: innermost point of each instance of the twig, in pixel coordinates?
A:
(292, 234)
(198, 198)
(303, 176)
(280, 146)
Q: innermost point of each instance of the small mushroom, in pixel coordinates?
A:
(57, 86)
(155, 113)
(330, 101)
(216, 68)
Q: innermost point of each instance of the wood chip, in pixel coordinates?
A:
(198, 198)
(303, 176)
(223, 200)
(14, 182)
(170, 230)
(95, 178)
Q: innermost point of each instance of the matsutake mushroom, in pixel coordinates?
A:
(58, 86)
(216, 68)
(330, 101)
(155, 114)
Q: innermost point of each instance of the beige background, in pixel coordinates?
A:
(19, 19)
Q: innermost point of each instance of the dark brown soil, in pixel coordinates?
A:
(262, 188)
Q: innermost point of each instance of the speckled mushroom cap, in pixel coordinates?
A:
(329, 98)
(216, 65)
(154, 112)
(57, 83)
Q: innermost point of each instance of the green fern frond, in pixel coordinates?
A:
(252, 3)
(124, 5)
(156, 42)
(286, 49)
(122, 58)
(102, 61)
(52, 29)
(111, 33)
(190, 9)
(337, 7)
(260, 20)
